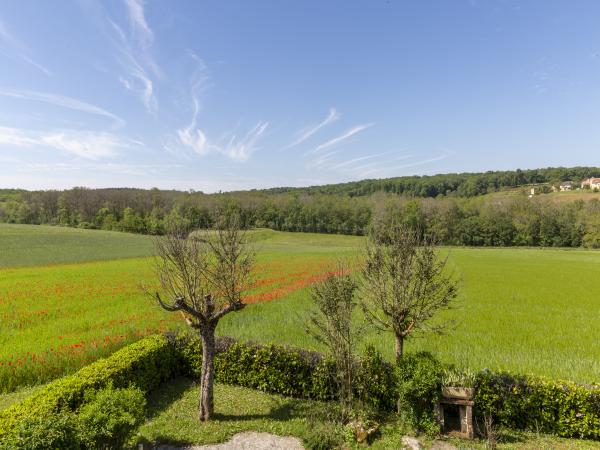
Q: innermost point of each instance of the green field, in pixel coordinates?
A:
(32, 245)
(525, 310)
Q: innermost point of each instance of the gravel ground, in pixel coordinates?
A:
(248, 441)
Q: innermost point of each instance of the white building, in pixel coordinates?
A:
(592, 183)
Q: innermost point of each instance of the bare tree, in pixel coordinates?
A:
(331, 324)
(203, 275)
(404, 283)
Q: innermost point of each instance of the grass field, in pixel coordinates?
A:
(29, 245)
(526, 310)
(554, 197)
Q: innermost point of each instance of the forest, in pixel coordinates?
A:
(464, 215)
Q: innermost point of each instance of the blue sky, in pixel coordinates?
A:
(227, 95)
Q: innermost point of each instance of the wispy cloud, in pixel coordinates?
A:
(233, 145)
(323, 161)
(391, 168)
(134, 55)
(241, 148)
(306, 133)
(85, 144)
(353, 161)
(13, 47)
(348, 134)
(63, 101)
(139, 25)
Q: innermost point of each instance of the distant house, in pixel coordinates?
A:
(566, 186)
(592, 183)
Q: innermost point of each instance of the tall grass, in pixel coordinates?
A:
(526, 310)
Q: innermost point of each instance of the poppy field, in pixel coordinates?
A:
(56, 318)
(525, 310)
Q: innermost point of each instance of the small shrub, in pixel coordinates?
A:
(323, 436)
(376, 381)
(459, 378)
(419, 389)
(56, 431)
(109, 417)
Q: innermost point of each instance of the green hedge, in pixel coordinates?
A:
(269, 368)
(144, 364)
(562, 408)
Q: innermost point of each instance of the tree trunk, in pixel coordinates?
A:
(399, 346)
(207, 376)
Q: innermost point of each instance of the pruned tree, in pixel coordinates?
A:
(203, 275)
(405, 283)
(331, 324)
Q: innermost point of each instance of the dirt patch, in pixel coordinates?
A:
(248, 441)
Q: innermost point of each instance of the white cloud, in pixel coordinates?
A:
(85, 144)
(135, 56)
(65, 102)
(235, 147)
(389, 168)
(232, 145)
(240, 149)
(353, 161)
(306, 133)
(351, 132)
(14, 47)
(137, 17)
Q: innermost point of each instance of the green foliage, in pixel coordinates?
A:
(109, 417)
(105, 421)
(53, 431)
(376, 381)
(557, 407)
(145, 364)
(331, 323)
(458, 378)
(419, 389)
(323, 436)
(270, 368)
(453, 210)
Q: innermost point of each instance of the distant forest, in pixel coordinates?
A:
(454, 207)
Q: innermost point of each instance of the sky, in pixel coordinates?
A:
(229, 95)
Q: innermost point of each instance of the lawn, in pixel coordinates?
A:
(173, 414)
(173, 419)
(525, 310)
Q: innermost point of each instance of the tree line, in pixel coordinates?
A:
(496, 220)
(453, 184)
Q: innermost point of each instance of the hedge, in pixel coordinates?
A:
(562, 408)
(145, 364)
(270, 368)
(555, 407)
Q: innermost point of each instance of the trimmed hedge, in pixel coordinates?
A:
(270, 368)
(562, 408)
(145, 364)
